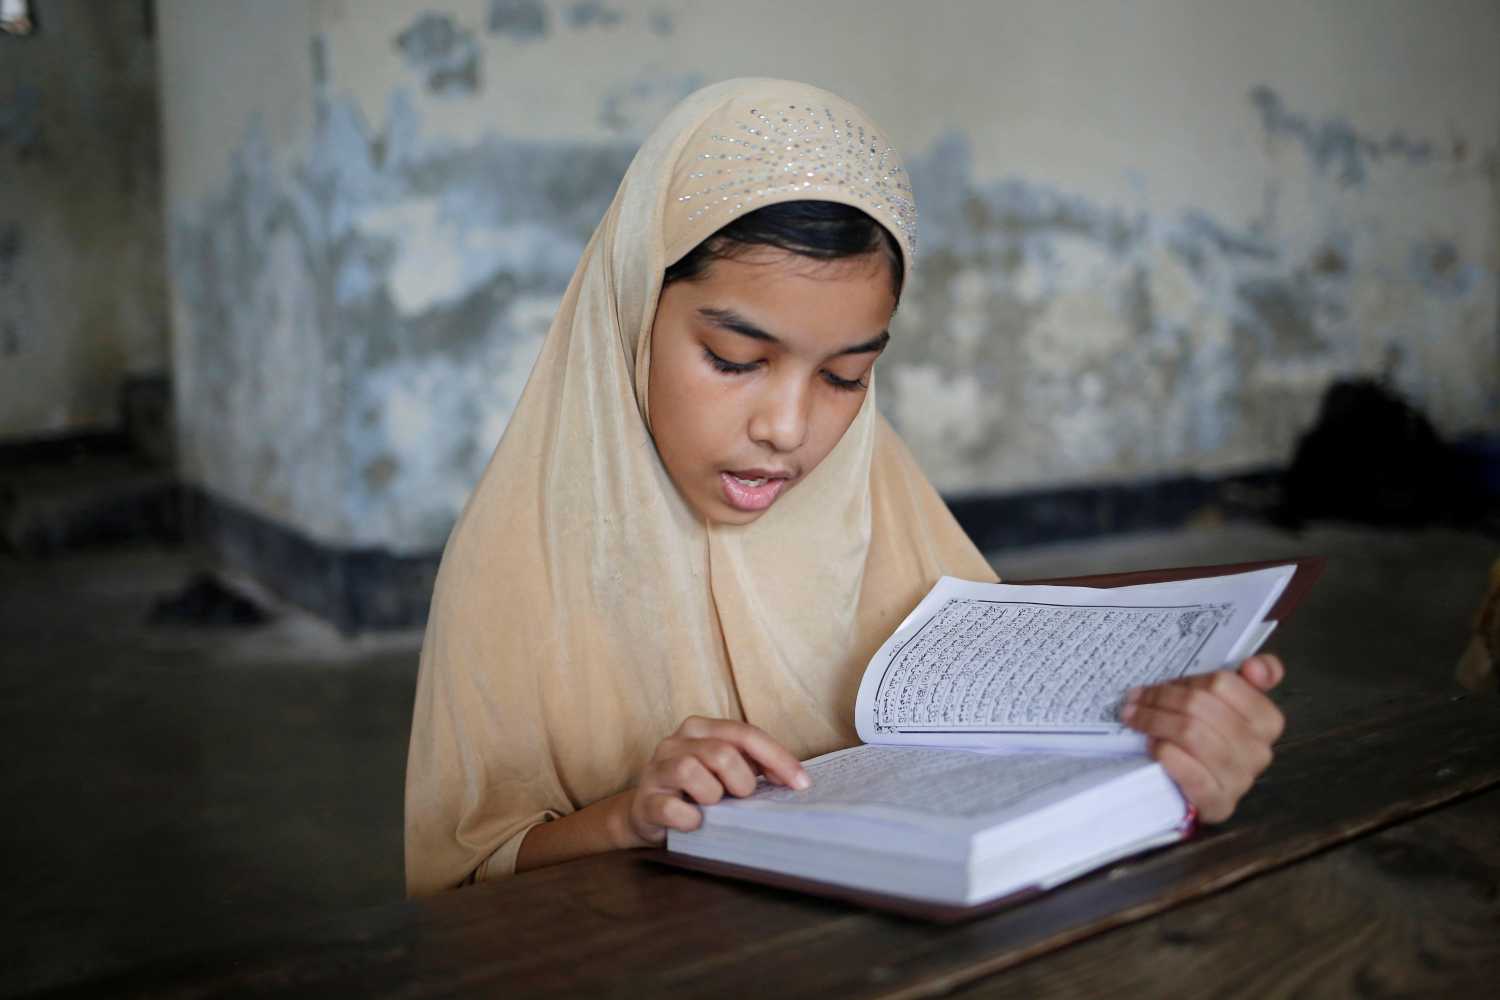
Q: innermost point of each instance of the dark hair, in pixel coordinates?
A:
(822, 230)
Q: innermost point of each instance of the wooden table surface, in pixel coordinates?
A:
(1366, 861)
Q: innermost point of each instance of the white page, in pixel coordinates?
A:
(950, 824)
(957, 791)
(942, 782)
(980, 664)
(1254, 639)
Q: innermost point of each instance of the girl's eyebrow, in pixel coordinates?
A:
(875, 343)
(732, 321)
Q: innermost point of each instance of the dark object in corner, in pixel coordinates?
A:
(146, 416)
(206, 601)
(1373, 457)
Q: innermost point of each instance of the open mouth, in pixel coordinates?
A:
(752, 489)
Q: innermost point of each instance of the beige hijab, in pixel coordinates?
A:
(582, 609)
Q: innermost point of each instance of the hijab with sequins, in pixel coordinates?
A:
(582, 610)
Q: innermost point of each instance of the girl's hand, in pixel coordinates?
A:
(701, 761)
(1212, 732)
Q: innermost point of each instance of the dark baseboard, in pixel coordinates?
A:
(142, 429)
(356, 589)
(1040, 517)
(371, 589)
(62, 449)
(84, 490)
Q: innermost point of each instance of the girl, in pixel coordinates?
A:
(698, 528)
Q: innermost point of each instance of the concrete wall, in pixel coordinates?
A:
(1151, 232)
(82, 288)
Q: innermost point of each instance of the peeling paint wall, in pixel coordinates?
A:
(82, 284)
(1084, 340)
(1151, 234)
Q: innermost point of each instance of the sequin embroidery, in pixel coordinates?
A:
(803, 150)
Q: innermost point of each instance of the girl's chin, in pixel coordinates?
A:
(719, 512)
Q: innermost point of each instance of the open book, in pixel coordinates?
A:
(994, 761)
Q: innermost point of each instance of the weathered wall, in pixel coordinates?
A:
(1151, 233)
(82, 291)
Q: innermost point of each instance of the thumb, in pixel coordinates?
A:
(1264, 671)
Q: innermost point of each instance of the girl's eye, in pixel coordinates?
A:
(739, 368)
(845, 384)
(727, 366)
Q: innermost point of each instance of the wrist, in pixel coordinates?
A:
(617, 825)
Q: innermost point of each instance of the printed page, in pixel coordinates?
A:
(950, 783)
(994, 664)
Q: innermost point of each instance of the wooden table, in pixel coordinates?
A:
(1366, 861)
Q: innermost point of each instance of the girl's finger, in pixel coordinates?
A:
(665, 810)
(779, 763)
(1197, 782)
(1265, 670)
(1258, 711)
(1195, 735)
(1198, 702)
(690, 776)
(726, 762)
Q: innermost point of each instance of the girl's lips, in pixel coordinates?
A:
(742, 496)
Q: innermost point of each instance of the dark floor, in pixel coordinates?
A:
(171, 788)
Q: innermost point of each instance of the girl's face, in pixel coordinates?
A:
(758, 367)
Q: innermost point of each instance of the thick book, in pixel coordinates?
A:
(994, 764)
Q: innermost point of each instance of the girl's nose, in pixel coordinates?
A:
(780, 418)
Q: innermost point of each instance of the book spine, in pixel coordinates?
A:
(1189, 825)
